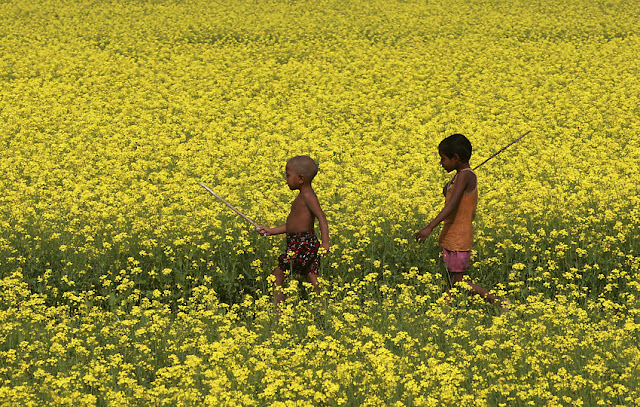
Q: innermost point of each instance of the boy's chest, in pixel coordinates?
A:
(298, 204)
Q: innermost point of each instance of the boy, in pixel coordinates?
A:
(301, 254)
(461, 200)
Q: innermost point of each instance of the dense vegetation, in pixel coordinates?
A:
(124, 282)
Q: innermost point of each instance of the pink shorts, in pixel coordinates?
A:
(456, 262)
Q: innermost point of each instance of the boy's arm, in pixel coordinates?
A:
(265, 231)
(459, 186)
(311, 200)
(444, 188)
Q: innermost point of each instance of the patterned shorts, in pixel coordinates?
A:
(301, 256)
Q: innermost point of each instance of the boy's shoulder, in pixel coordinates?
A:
(466, 174)
(308, 195)
(307, 192)
(466, 178)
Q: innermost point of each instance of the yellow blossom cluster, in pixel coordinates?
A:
(125, 282)
(365, 343)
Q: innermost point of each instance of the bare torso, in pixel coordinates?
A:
(300, 218)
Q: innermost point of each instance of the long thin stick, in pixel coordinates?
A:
(229, 205)
(501, 150)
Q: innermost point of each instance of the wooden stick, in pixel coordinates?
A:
(501, 150)
(229, 205)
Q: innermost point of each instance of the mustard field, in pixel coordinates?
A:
(125, 283)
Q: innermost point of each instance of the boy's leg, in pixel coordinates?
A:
(453, 278)
(457, 263)
(313, 279)
(278, 293)
(458, 277)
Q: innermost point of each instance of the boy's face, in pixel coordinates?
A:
(448, 163)
(294, 180)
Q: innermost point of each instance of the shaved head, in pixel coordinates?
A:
(304, 165)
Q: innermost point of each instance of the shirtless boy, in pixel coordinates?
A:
(301, 255)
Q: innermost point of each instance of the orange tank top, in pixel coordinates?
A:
(457, 229)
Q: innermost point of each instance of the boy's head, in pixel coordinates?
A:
(301, 169)
(456, 144)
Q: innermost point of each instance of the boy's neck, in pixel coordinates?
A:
(462, 166)
(305, 187)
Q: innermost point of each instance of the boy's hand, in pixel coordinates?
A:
(324, 249)
(423, 234)
(263, 230)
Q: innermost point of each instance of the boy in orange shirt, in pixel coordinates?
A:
(461, 201)
(301, 255)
